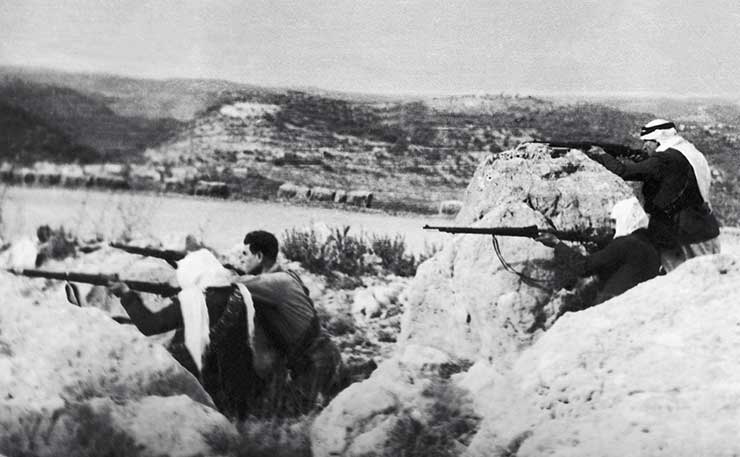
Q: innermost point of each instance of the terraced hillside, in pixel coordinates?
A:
(411, 153)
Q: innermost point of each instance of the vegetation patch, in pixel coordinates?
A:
(447, 430)
(342, 256)
(264, 437)
(75, 429)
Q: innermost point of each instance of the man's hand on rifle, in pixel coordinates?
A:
(596, 151)
(548, 239)
(117, 287)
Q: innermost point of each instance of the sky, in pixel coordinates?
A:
(655, 47)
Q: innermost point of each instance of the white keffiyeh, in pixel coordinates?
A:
(196, 272)
(628, 216)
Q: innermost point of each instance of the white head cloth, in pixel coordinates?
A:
(196, 272)
(629, 216)
(22, 254)
(668, 138)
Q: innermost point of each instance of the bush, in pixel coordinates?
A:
(343, 257)
(55, 244)
(272, 437)
(449, 428)
(392, 252)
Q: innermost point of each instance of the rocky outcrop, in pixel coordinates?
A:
(464, 306)
(463, 300)
(652, 372)
(67, 371)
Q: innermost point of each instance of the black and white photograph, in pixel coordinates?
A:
(464, 228)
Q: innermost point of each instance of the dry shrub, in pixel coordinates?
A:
(265, 437)
(448, 428)
(343, 257)
(56, 244)
(84, 432)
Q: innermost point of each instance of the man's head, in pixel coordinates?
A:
(260, 251)
(654, 132)
(628, 216)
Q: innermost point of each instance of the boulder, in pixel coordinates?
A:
(323, 194)
(375, 417)
(212, 189)
(464, 306)
(340, 196)
(652, 372)
(58, 361)
(363, 198)
(290, 191)
(463, 299)
(103, 426)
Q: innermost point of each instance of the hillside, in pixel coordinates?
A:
(411, 153)
(27, 138)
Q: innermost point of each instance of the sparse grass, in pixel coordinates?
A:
(337, 324)
(265, 437)
(76, 429)
(56, 244)
(343, 257)
(448, 429)
(392, 252)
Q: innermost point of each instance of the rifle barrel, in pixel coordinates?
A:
(530, 231)
(151, 252)
(160, 288)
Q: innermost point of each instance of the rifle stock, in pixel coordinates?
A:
(529, 231)
(160, 288)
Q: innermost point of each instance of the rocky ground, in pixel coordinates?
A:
(466, 358)
(71, 373)
(490, 364)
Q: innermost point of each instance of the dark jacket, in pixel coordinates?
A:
(227, 373)
(283, 309)
(678, 213)
(625, 262)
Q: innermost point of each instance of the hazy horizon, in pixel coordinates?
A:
(557, 48)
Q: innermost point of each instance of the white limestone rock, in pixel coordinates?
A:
(463, 305)
(463, 300)
(652, 372)
(55, 356)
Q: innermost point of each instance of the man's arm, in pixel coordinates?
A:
(627, 169)
(587, 265)
(148, 323)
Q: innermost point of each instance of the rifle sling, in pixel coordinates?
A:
(507, 266)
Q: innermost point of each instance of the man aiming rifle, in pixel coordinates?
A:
(629, 259)
(620, 263)
(242, 336)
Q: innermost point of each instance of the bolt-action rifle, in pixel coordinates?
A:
(160, 288)
(529, 231)
(170, 256)
(616, 150)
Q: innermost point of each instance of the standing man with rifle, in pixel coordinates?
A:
(676, 180)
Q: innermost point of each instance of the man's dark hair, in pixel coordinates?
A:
(264, 242)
